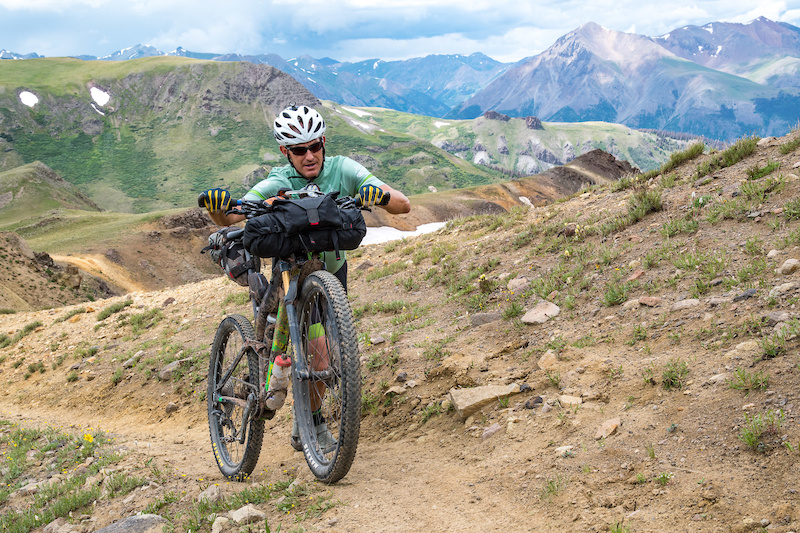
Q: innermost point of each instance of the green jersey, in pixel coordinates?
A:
(339, 173)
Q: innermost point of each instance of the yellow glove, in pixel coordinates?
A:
(370, 195)
(217, 200)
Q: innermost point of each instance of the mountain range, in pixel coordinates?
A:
(722, 80)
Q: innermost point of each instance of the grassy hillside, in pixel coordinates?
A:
(562, 140)
(175, 126)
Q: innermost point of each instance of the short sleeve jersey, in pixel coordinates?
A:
(339, 173)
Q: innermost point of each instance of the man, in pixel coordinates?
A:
(300, 132)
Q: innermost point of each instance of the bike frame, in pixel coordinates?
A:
(291, 271)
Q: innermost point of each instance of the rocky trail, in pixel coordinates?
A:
(581, 366)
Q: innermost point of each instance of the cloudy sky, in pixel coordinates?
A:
(349, 30)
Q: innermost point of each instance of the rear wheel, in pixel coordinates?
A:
(328, 401)
(236, 434)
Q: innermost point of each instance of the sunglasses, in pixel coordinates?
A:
(301, 150)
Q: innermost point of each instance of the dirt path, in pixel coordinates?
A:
(410, 484)
(101, 267)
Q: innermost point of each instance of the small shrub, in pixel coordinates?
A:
(759, 426)
(790, 146)
(674, 375)
(112, 309)
(756, 172)
(745, 381)
(553, 487)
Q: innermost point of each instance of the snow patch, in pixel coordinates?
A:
(99, 96)
(439, 124)
(358, 112)
(28, 98)
(375, 66)
(363, 126)
(386, 233)
(97, 109)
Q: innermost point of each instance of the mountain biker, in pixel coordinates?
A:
(300, 132)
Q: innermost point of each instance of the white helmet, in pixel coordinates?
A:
(297, 125)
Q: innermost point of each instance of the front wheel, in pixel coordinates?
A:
(236, 434)
(327, 402)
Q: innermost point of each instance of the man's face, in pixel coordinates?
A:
(308, 164)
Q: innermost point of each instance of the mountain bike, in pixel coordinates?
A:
(303, 312)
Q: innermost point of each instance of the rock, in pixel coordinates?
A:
(397, 389)
(212, 494)
(788, 267)
(562, 451)
(402, 376)
(533, 403)
(519, 284)
(782, 289)
(220, 524)
(144, 523)
(569, 401)
(776, 317)
(636, 274)
(747, 349)
(548, 360)
(749, 293)
(247, 515)
(479, 319)
(469, 401)
(491, 430)
(130, 363)
(540, 314)
(171, 407)
(608, 428)
(650, 301)
(59, 525)
(166, 373)
(684, 304)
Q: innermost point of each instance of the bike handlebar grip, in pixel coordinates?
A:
(201, 199)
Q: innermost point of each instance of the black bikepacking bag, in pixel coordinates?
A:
(230, 255)
(311, 224)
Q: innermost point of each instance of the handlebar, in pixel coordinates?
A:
(202, 198)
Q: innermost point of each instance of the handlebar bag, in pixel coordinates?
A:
(311, 224)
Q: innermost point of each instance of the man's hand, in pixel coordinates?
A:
(370, 195)
(217, 200)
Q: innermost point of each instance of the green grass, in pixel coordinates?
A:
(26, 330)
(728, 157)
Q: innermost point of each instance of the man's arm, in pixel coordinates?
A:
(398, 202)
(221, 219)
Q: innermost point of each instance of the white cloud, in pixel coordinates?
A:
(57, 6)
(349, 29)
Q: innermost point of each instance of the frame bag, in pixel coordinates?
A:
(310, 224)
(231, 256)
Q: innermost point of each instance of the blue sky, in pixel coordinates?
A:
(349, 30)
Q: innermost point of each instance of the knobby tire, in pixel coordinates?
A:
(236, 460)
(324, 301)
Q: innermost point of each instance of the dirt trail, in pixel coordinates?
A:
(412, 484)
(99, 266)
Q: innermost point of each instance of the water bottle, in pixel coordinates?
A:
(279, 382)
